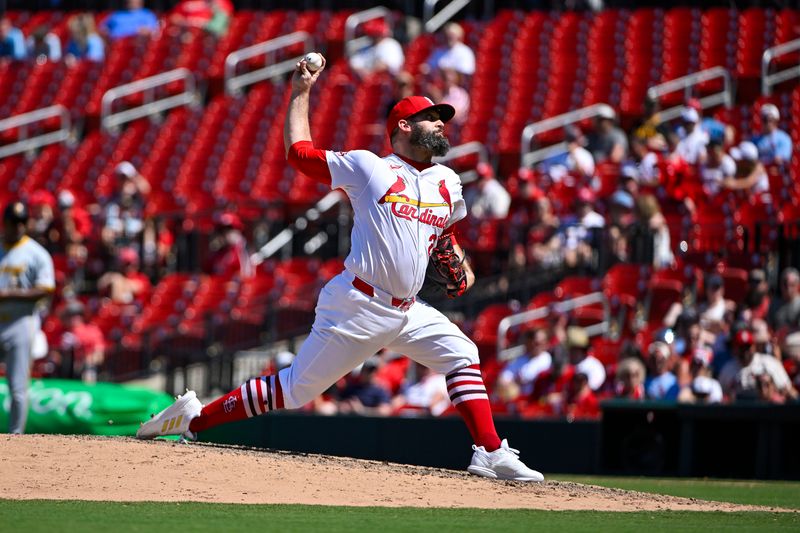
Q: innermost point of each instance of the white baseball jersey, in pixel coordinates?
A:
(25, 265)
(400, 212)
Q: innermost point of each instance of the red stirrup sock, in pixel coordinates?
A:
(468, 394)
(257, 396)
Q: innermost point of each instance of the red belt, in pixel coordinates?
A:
(369, 290)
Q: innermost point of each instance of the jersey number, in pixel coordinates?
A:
(433, 238)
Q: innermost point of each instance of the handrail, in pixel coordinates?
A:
(725, 96)
(353, 44)
(285, 237)
(22, 120)
(234, 83)
(504, 353)
(151, 106)
(473, 147)
(529, 157)
(770, 80)
(434, 22)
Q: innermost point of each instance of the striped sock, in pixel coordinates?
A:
(468, 394)
(255, 397)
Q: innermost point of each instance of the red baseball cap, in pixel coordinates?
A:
(411, 105)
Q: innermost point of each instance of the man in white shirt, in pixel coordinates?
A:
(385, 54)
(456, 55)
(488, 199)
(692, 147)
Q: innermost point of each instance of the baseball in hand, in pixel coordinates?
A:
(313, 61)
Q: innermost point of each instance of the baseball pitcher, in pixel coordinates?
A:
(404, 210)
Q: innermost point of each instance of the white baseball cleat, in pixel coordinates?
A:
(503, 463)
(174, 420)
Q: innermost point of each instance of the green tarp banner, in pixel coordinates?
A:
(73, 407)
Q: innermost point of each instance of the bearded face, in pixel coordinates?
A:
(434, 141)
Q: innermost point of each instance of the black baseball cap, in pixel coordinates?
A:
(16, 212)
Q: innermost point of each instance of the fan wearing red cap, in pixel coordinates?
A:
(404, 209)
(384, 53)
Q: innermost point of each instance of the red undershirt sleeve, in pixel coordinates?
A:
(310, 161)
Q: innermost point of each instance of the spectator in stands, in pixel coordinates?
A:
(719, 169)
(487, 199)
(651, 124)
(693, 139)
(383, 54)
(43, 45)
(579, 399)
(519, 375)
(791, 360)
(364, 395)
(647, 154)
(607, 142)
(620, 219)
(716, 130)
(404, 86)
(81, 344)
(135, 19)
(741, 377)
(581, 360)
(785, 311)
(125, 211)
(12, 41)
(652, 222)
(74, 226)
(576, 159)
(84, 41)
(543, 237)
(757, 302)
(42, 208)
(229, 255)
(578, 238)
(454, 55)
(126, 284)
(630, 378)
(702, 388)
(426, 396)
(774, 145)
(211, 15)
(448, 90)
(661, 383)
(750, 172)
(715, 311)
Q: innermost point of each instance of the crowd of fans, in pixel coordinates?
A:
(87, 40)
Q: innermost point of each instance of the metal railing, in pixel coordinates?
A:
(530, 157)
(687, 83)
(353, 44)
(22, 121)
(151, 105)
(474, 147)
(235, 83)
(505, 353)
(768, 81)
(434, 22)
(283, 239)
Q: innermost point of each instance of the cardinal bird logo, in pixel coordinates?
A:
(398, 187)
(445, 194)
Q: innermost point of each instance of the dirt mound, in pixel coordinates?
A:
(123, 469)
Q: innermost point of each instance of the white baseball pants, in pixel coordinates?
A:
(351, 326)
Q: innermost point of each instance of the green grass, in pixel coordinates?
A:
(770, 493)
(69, 516)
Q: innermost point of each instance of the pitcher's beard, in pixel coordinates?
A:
(437, 143)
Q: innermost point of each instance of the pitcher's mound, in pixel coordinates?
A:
(123, 469)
